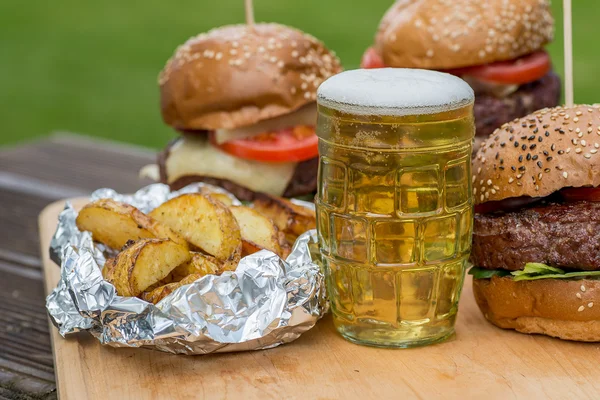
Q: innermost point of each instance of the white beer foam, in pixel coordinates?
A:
(394, 91)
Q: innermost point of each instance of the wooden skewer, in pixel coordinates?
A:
(568, 49)
(249, 12)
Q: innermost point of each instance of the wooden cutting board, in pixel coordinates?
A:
(481, 361)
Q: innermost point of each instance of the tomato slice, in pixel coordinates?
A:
(299, 143)
(522, 70)
(371, 59)
(581, 193)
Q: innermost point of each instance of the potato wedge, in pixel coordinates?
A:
(286, 247)
(199, 264)
(156, 295)
(144, 263)
(222, 197)
(288, 217)
(205, 223)
(258, 232)
(114, 223)
(109, 268)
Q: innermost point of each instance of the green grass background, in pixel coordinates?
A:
(90, 66)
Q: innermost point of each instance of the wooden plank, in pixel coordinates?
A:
(85, 163)
(31, 176)
(26, 366)
(481, 361)
(19, 233)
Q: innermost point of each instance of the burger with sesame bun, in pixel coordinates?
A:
(243, 99)
(536, 235)
(495, 45)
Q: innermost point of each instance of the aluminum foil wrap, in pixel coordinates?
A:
(265, 302)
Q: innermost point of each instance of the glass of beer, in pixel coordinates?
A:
(394, 202)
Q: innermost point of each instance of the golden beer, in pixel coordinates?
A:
(394, 202)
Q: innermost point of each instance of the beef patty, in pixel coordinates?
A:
(491, 111)
(561, 235)
(303, 181)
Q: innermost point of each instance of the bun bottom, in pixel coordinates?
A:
(559, 308)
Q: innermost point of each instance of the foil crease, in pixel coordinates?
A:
(265, 302)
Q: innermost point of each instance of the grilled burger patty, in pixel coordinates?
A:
(491, 111)
(563, 235)
(304, 179)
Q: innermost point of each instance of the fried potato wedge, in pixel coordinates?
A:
(223, 198)
(288, 217)
(144, 263)
(109, 268)
(159, 293)
(258, 232)
(114, 223)
(205, 223)
(199, 264)
(286, 247)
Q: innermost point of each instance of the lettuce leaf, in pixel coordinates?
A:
(532, 271)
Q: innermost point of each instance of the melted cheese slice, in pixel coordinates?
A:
(195, 156)
(306, 115)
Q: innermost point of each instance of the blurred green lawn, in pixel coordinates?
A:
(91, 66)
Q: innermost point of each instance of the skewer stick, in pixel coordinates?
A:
(249, 12)
(568, 49)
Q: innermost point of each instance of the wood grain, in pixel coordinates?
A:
(481, 361)
(32, 175)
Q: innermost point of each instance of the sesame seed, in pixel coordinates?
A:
(578, 295)
(489, 182)
(587, 155)
(581, 308)
(590, 304)
(510, 180)
(582, 288)
(565, 174)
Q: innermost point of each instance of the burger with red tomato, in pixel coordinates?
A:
(536, 235)
(243, 99)
(495, 45)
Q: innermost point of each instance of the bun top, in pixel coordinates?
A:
(238, 75)
(539, 154)
(446, 34)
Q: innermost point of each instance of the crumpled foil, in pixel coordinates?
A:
(265, 302)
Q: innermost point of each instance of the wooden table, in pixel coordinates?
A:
(481, 361)
(32, 175)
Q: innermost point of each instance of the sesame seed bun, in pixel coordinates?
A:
(555, 307)
(539, 154)
(239, 75)
(446, 34)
